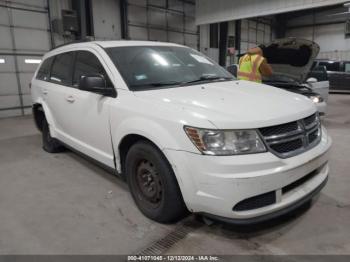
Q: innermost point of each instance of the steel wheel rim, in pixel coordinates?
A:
(149, 184)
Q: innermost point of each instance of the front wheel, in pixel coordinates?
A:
(153, 184)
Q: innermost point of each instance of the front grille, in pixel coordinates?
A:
(256, 202)
(310, 120)
(313, 136)
(280, 129)
(288, 146)
(289, 139)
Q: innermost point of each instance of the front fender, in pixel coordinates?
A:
(169, 138)
(147, 128)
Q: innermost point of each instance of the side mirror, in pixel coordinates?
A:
(233, 69)
(311, 80)
(96, 84)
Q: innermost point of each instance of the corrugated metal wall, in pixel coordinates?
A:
(163, 20)
(330, 37)
(106, 19)
(210, 11)
(253, 33)
(24, 38)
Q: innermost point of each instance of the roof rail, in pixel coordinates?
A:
(73, 42)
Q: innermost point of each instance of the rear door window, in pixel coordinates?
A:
(87, 64)
(347, 67)
(62, 68)
(44, 70)
(331, 66)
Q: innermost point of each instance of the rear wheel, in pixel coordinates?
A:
(153, 184)
(50, 144)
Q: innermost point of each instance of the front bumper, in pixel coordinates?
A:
(213, 185)
(269, 216)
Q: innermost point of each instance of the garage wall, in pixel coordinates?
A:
(25, 34)
(106, 19)
(204, 43)
(209, 11)
(25, 37)
(155, 20)
(331, 37)
(163, 20)
(253, 33)
(56, 13)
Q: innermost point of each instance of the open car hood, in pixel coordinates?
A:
(292, 57)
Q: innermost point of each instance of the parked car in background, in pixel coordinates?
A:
(291, 60)
(338, 74)
(181, 130)
(317, 80)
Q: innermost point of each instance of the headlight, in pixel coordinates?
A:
(316, 99)
(225, 142)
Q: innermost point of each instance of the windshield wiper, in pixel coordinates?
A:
(208, 78)
(176, 83)
(158, 84)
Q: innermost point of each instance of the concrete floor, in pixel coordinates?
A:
(62, 204)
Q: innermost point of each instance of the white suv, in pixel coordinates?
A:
(181, 130)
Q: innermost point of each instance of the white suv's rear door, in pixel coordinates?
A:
(55, 92)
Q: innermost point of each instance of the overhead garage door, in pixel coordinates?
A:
(255, 32)
(24, 38)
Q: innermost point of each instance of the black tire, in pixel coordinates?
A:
(50, 144)
(153, 184)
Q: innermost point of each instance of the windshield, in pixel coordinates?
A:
(150, 67)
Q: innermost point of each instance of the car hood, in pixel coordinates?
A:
(232, 104)
(292, 57)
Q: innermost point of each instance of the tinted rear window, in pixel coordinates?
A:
(62, 68)
(44, 70)
(331, 66)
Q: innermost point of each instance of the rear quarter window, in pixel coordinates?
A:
(44, 70)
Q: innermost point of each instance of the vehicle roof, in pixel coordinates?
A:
(114, 43)
(107, 44)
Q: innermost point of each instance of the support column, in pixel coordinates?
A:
(223, 43)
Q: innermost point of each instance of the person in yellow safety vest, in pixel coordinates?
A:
(252, 66)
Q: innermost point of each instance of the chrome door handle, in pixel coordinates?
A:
(45, 91)
(70, 99)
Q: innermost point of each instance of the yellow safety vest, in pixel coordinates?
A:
(249, 68)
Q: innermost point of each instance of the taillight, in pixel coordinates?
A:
(30, 85)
